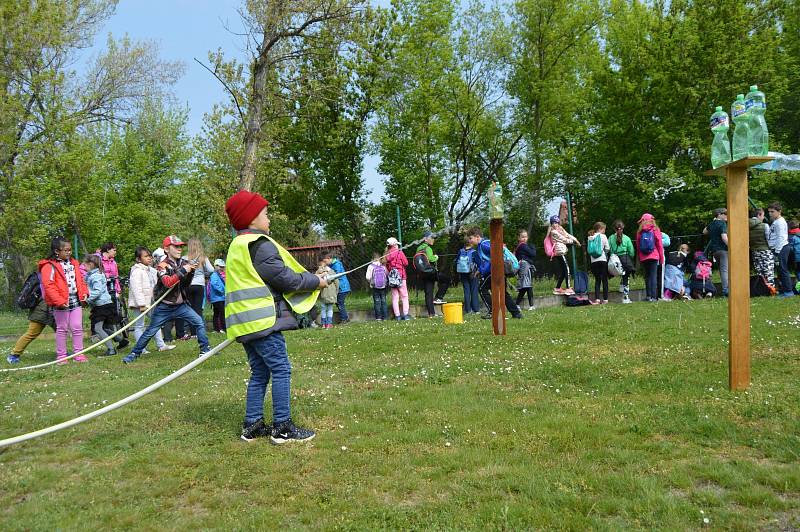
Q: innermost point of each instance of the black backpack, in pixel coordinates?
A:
(421, 263)
(759, 286)
(31, 292)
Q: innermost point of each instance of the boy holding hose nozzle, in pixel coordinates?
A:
(264, 284)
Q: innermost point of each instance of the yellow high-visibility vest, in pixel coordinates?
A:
(249, 304)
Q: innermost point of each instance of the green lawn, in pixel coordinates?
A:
(606, 417)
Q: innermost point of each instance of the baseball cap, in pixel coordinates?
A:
(555, 219)
(172, 240)
(646, 217)
(220, 263)
(391, 241)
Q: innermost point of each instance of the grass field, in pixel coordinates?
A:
(607, 417)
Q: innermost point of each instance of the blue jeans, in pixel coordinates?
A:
(651, 277)
(340, 297)
(379, 303)
(163, 313)
(268, 357)
(326, 314)
(472, 301)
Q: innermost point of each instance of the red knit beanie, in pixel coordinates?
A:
(243, 207)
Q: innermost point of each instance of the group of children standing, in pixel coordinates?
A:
(65, 285)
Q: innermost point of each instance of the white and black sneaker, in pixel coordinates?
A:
(286, 431)
(257, 429)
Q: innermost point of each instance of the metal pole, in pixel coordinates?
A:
(569, 217)
(399, 230)
(75, 252)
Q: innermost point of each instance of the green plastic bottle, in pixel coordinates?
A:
(495, 194)
(756, 105)
(721, 147)
(741, 137)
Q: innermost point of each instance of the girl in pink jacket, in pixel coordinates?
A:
(651, 253)
(396, 260)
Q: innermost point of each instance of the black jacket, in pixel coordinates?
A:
(525, 252)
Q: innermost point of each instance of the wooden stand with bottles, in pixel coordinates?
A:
(498, 277)
(738, 269)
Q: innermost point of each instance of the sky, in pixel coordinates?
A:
(188, 29)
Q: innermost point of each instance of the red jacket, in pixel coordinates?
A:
(54, 282)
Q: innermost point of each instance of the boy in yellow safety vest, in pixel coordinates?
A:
(264, 284)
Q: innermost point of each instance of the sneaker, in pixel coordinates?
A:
(286, 431)
(184, 337)
(438, 301)
(406, 318)
(597, 302)
(626, 300)
(167, 347)
(569, 292)
(12, 359)
(531, 308)
(62, 359)
(204, 351)
(257, 429)
(398, 318)
(108, 353)
(605, 302)
(123, 344)
(145, 352)
(131, 357)
(709, 294)
(81, 358)
(558, 291)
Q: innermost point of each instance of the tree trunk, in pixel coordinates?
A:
(255, 113)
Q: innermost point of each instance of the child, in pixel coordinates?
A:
(468, 274)
(779, 243)
(99, 300)
(377, 276)
(651, 253)
(143, 279)
(526, 254)
(761, 255)
(264, 284)
(64, 291)
(561, 239)
(175, 273)
(701, 284)
(794, 246)
(38, 318)
(107, 254)
(344, 290)
(598, 253)
(329, 294)
(196, 291)
(216, 295)
(397, 261)
(620, 245)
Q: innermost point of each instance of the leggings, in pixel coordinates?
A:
(600, 271)
(219, 316)
(398, 294)
(68, 322)
(562, 270)
(195, 293)
(521, 293)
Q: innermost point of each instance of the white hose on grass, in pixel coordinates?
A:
(122, 402)
(101, 342)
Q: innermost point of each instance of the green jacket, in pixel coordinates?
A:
(625, 248)
(41, 314)
(432, 257)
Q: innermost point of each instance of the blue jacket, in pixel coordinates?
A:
(484, 265)
(98, 291)
(216, 292)
(794, 242)
(338, 267)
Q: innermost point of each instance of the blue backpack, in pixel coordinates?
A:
(510, 262)
(581, 282)
(464, 261)
(647, 241)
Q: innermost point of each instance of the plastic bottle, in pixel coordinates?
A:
(741, 136)
(721, 147)
(495, 201)
(756, 106)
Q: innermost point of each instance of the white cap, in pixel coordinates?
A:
(391, 241)
(219, 262)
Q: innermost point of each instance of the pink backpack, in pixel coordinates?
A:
(549, 247)
(702, 272)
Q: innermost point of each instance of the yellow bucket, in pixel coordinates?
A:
(452, 313)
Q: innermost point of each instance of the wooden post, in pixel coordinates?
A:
(498, 277)
(738, 270)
